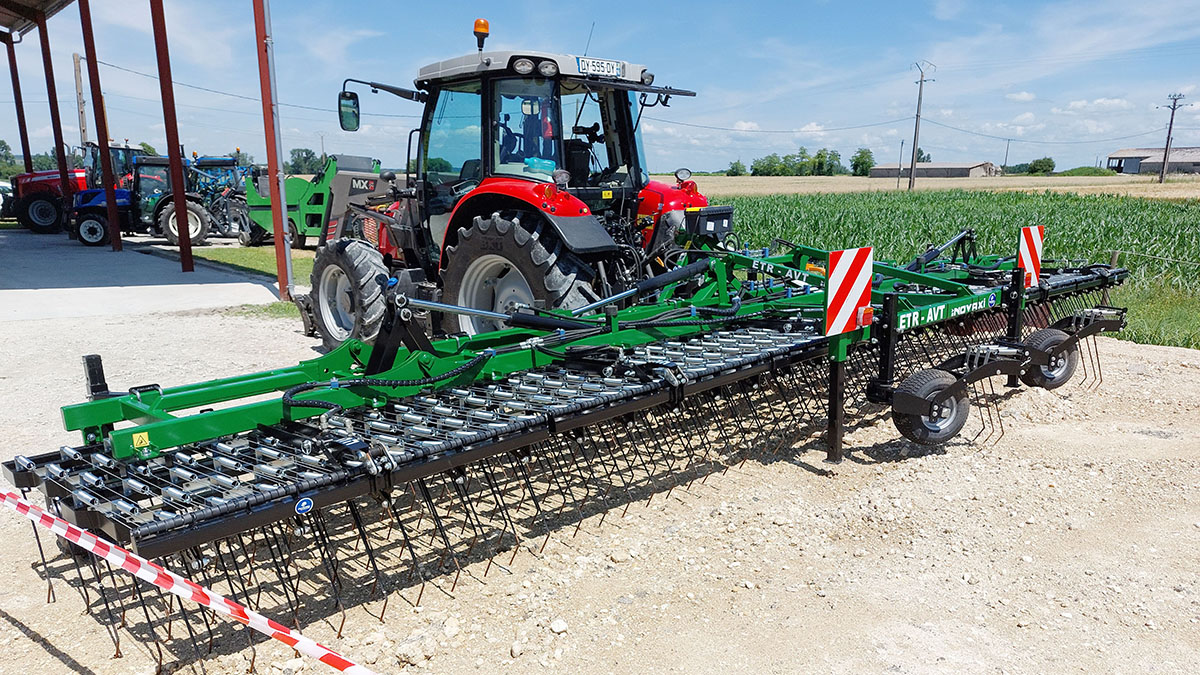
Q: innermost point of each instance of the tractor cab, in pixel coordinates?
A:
(123, 157)
(526, 185)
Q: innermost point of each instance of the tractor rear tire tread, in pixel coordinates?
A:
(172, 236)
(535, 251)
(24, 206)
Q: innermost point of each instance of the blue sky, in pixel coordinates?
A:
(1074, 72)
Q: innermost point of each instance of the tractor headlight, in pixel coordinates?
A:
(523, 66)
(647, 78)
(682, 174)
(548, 68)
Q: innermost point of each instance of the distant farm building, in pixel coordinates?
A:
(1149, 160)
(938, 170)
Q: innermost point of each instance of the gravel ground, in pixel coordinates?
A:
(1070, 545)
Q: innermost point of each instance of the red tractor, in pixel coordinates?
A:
(41, 205)
(529, 188)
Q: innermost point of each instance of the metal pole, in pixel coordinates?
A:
(110, 179)
(1004, 166)
(174, 150)
(266, 77)
(80, 104)
(52, 94)
(837, 416)
(22, 130)
(912, 168)
(900, 164)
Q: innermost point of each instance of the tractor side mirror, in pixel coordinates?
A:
(348, 114)
(388, 176)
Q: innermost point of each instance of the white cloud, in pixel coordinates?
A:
(742, 125)
(812, 127)
(1025, 118)
(1020, 96)
(945, 10)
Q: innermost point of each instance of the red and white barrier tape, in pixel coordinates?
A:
(173, 583)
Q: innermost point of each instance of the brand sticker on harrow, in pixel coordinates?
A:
(141, 439)
(304, 506)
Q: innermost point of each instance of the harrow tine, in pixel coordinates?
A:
(999, 417)
(441, 530)
(416, 569)
(37, 537)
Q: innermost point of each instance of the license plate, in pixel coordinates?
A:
(600, 67)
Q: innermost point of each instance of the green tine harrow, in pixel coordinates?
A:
(373, 469)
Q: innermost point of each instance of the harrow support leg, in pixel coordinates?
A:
(837, 415)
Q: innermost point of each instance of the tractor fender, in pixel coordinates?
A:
(95, 198)
(573, 222)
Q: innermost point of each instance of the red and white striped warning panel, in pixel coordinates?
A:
(147, 571)
(1030, 257)
(848, 296)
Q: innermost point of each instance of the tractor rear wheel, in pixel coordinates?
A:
(93, 229)
(41, 212)
(1061, 367)
(348, 283)
(946, 421)
(198, 222)
(499, 264)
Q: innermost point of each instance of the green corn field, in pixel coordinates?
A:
(1164, 296)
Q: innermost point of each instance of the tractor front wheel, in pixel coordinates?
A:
(42, 213)
(93, 229)
(348, 283)
(945, 421)
(498, 264)
(198, 222)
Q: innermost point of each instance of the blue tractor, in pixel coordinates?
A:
(144, 204)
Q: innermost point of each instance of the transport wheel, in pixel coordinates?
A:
(42, 213)
(93, 229)
(198, 221)
(348, 283)
(498, 265)
(1061, 367)
(947, 420)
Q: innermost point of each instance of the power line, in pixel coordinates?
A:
(238, 96)
(1036, 142)
(777, 131)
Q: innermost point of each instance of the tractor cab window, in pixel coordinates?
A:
(453, 142)
(527, 136)
(593, 151)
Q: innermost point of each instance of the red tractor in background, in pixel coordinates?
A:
(530, 189)
(41, 205)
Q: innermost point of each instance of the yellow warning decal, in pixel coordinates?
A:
(141, 439)
(606, 194)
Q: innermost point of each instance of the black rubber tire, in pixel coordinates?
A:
(166, 223)
(555, 275)
(253, 235)
(41, 212)
(1051, 377)
(298, 240)
(92, 229)
(363, 267)
(926, 384)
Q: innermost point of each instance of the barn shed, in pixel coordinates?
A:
(938, 170)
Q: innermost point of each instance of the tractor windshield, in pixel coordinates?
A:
(602, 146)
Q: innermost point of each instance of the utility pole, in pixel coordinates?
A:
(900, 164)
(912, 169)
(80, 103)
(1174, 99)
(322, 135)
(1004, 166)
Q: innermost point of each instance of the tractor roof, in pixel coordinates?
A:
(476, 64)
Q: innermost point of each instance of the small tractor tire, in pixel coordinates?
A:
(298, 240)
(499, 263)
(41, 212)
(348, 282)
(1061, 368)
(926, 384)
(92, 229)
(199, 223)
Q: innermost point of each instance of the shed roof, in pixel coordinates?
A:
(1178, 154)
(937, 165)
(18, 16)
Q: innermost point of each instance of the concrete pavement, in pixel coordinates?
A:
(50, 276)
